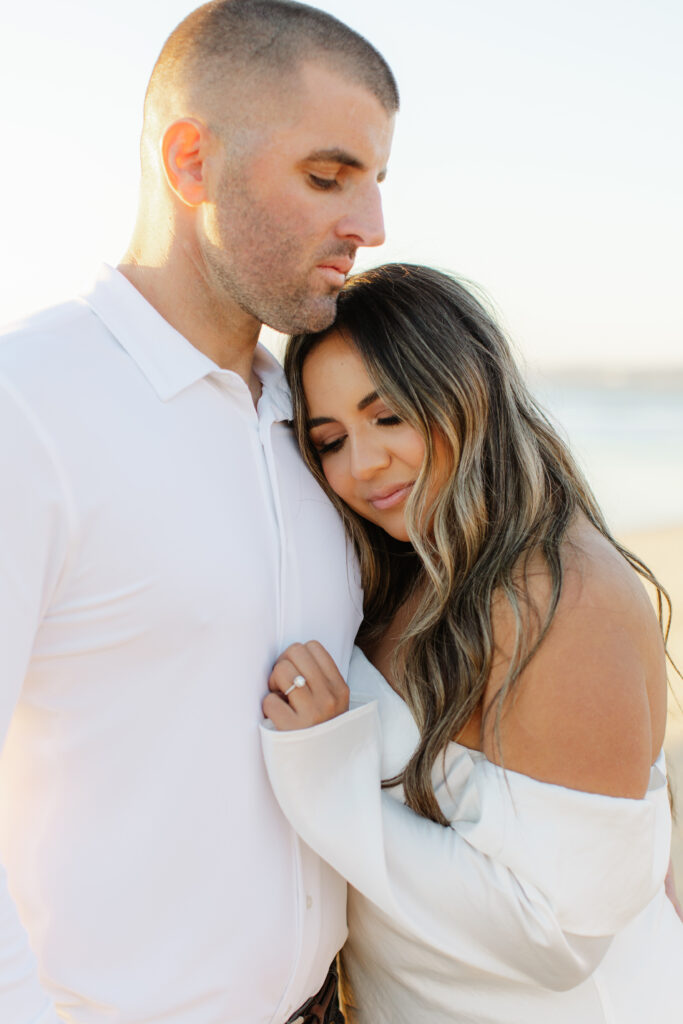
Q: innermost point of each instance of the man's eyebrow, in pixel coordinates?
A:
(320, 421)
(335, 156)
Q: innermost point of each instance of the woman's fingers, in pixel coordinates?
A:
(279, 712)
(294, 663)
(307, 683)
(328, 666)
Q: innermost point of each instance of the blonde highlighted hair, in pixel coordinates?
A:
(511, 489)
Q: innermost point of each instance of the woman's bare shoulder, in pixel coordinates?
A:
(596, 573)
(589, 710)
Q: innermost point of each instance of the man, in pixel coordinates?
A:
(161, 543)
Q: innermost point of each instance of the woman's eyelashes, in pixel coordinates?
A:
(326, 447)
(335, 444)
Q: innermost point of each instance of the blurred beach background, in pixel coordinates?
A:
(537, 153)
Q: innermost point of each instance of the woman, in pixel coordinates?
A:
(496, 796)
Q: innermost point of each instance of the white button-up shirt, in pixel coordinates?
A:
(161, 542)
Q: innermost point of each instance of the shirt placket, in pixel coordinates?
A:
(267, 425)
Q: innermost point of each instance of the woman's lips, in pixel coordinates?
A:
(388, 498)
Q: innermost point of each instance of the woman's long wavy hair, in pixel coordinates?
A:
(510, 491)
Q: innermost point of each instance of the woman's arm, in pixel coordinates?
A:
(670, 887)
(475, 890)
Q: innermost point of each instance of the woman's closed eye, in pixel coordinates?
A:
(325, 447)
(335, 444)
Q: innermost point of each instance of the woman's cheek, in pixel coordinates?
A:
(334, 477)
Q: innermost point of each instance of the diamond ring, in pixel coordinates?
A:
(297, 683)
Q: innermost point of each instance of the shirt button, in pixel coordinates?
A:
(309, 902)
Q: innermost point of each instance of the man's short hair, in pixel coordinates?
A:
(230, 39)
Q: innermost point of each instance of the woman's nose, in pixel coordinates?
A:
(367, 458)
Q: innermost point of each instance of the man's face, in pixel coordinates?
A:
(297, 199)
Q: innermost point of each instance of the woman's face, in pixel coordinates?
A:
(369, 456)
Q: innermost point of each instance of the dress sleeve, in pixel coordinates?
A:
(530, 881)
(34, 535)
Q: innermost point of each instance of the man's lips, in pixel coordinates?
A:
(336, 269)
(342, 264)
(390, 496)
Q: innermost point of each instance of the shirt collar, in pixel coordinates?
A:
(167, 359)
(272, 377)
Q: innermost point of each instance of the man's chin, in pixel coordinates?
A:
(309, 318)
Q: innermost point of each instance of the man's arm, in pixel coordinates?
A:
(34, 536)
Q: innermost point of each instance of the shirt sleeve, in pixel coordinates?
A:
(34, 537)
(530, 881)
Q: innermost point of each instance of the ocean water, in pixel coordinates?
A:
(627, 435)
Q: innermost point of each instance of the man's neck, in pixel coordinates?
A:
(227, 336)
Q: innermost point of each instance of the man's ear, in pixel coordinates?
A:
(184, 149)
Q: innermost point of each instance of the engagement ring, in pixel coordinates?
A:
(297, 683)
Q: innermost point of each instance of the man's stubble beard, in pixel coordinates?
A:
(248, 264)
(290, 313)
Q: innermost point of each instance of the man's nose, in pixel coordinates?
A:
(364, 222)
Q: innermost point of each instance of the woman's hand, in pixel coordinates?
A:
(306, 688)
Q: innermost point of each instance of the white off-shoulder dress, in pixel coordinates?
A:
(538, 905)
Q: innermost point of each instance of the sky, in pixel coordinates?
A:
(538, 153)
